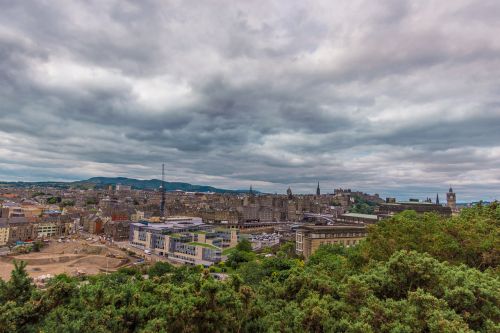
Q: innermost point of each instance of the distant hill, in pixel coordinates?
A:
(101, 182)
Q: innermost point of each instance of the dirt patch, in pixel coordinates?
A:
(78, 257)
(99, 261)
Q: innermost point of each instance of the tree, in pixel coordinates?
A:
(53, 200)
(19, 287)
(160, 269)
(403, 278)
(37, 246)
(91, 201)
(67, 203)
(244, 245)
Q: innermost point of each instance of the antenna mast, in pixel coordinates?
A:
(162, 191)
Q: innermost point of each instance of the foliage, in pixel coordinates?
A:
(54, 200)
(37, 246)
(244, 245)
(91, 201)
(414, 273)
(472, 238)
(242, 253)
(362, 206)
(160, 269)
(67, 203)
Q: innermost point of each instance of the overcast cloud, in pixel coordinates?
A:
(395, 97)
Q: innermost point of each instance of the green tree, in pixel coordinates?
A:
(244, 245)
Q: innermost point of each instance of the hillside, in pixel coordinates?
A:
(100, 182)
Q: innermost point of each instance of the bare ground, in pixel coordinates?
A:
(57, 258)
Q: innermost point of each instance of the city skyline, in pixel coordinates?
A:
(410, 193)
(396, 98)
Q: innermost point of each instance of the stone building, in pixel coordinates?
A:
(357, 218)
(117, 230)
(451, 199)
(4, 232)
(20, 229)
(390, 209)
(310, 237)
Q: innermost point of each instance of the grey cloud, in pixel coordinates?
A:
(393, 97)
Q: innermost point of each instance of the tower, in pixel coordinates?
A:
(289, 193)
(162, 193)
(251, 196)
(318, 191)
(451, 199)
(437, 199)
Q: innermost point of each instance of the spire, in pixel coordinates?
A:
(251, 190)
(318, 191)
(437, 198)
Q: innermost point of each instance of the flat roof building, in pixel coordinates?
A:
(310, 237)
(358, 218)
(183, 239)
(389, 209)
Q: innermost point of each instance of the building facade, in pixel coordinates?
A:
(20, 229)
(310, 237)
(389, 209)
(183, 239)
(451, 199)
(117, 230)
(4, 233)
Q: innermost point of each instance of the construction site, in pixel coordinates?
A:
(74, 257)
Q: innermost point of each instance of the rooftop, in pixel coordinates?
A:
(313, 227)
(210, 246)
(363, 216)
(173, 224)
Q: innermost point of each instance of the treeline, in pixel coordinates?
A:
(412, 274)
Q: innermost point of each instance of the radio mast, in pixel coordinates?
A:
(162, 191)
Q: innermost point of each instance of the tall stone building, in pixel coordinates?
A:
(451, 199)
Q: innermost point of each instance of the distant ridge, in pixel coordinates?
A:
(102, 182)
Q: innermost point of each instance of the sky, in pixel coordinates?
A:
(400, 98)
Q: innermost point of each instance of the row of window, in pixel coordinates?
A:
(342, 242)
(181, 257)
(340, 235)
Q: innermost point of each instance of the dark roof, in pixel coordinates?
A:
(17, 220)
(335, 227)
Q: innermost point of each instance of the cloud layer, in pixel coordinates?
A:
(396, 97)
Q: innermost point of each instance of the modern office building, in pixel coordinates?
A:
(183, 239)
